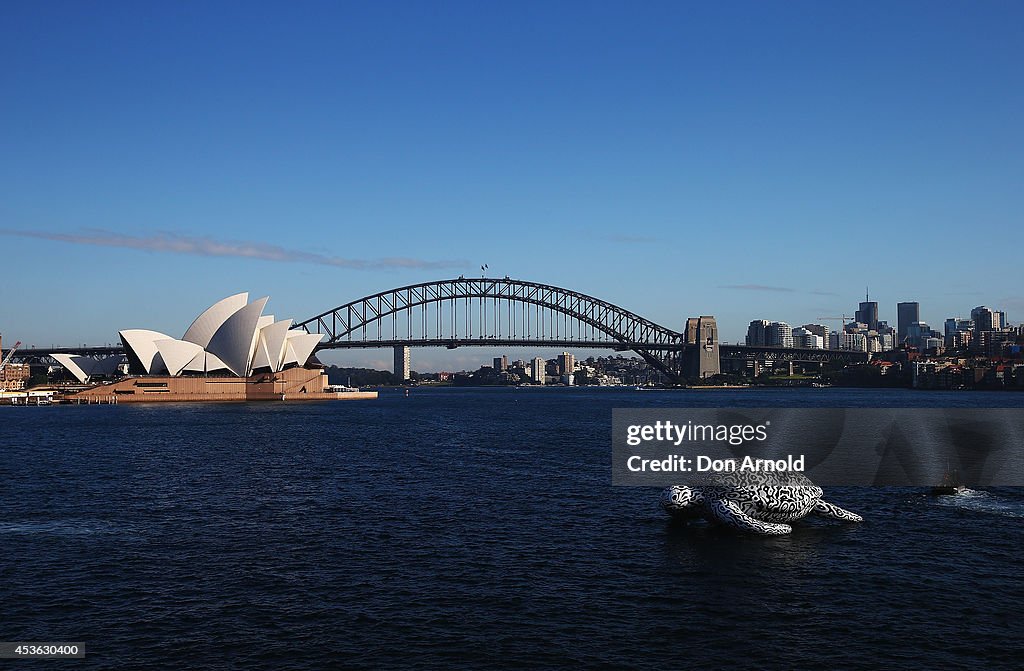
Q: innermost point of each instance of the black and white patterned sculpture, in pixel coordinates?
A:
(763, 503)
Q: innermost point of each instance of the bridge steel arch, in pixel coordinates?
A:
(620, 328)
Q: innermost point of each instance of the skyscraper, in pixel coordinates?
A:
(868, 313)
(985, 319)
(907, 313)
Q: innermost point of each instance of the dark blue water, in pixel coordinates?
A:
(469, 529)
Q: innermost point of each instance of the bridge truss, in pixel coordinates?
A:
(494, 312)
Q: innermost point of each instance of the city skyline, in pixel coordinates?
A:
(632, 154)
(438, 359)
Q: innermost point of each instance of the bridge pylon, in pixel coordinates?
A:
(701, 360)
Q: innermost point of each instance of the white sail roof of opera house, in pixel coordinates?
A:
(84, 367)
(206, 324)
(232, 334)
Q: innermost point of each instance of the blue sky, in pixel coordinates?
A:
(747, 160)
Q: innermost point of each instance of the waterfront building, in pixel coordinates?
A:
(13, 376)
(232, 336)
(566, 364)
(907, 313)
(231, 352)
(538, 370)
(402, 368)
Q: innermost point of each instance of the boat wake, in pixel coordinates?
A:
(58, 528)
(982, 502)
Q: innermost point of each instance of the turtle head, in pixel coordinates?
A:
(681, 501)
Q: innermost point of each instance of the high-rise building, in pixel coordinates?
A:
(804, 338)
(779, 334)
(538, 369)
(985, 319)
(402, 371)
(907, 313)
(500, 364)
(566, 363)
(961, 340)
(885, 337)
(756, 332)
(953, 326)
(919, 332)
(843, 340)
(868, 313)
(819, 330)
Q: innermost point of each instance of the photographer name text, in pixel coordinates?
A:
(703, 464)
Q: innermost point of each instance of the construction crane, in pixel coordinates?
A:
(3, 365)
(10, 353)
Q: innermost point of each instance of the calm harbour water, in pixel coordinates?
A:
(470, 528)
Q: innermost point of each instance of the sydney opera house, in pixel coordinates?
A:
(232, 351)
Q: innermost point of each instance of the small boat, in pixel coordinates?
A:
(950, 486)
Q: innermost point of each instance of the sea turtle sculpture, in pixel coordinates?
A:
(759, 502)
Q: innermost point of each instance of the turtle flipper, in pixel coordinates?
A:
(728, 513)
(832, 511)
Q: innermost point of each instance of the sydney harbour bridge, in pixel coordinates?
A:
(488, 312)
(507, 312)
